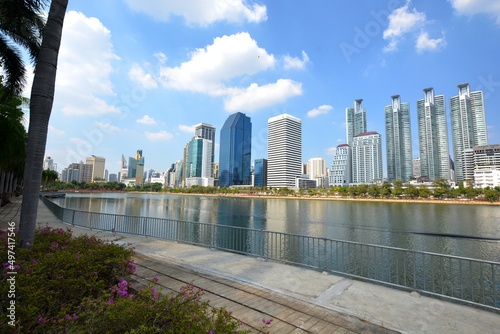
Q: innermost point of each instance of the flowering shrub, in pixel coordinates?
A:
(58, 271)
(67, 284)
(149, 311)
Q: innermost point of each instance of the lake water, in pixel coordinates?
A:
(463, 230)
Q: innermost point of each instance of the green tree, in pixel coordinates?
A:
(41, 101)
(441, 188)
(411, 191)
(21, 25)
(374, 190)
(397, 188)
(12, 141)
(363, 189)
(386, 189)
(424, 191)
(49, 177)
(491, 195)
(344, 191)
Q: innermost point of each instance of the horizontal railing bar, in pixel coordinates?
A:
(316, 238)
(400, 268)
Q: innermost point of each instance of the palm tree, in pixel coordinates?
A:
(21, 24)
(41, 101)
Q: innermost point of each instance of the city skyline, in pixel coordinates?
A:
(154, 71)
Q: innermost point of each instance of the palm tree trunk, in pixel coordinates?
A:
(41, 101)
(2, 181)
(2, 187)
(9, 185)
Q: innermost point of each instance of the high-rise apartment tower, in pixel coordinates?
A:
(468, 129)
(355, 121)
(433, 136)
(398, 140)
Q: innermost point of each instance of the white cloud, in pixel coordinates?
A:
(54, 131)
(425, 43)
(84, 67)
(295, 62)
(146, 120)
(324, 109)
(402, 21)
(162, 58)
(201, 12)
(162, 135)
(256, 97)
(138, 75)
(331, 151)
(187, 128)
(214, 69)
(472, 7)
(107, 127)
(76, 140)
(227, 58)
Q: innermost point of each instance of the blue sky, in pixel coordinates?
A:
(136, 74)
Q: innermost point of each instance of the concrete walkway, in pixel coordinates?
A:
(297, 299)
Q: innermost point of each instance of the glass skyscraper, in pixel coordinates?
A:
(235, 151)
(433, 136)
(468, 128)
(260, 173)
(198, 165)
(206, 131)
(398, 140)
(284, 140)
(136, 167)
(355, 121)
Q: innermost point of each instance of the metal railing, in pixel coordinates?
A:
(465, 280)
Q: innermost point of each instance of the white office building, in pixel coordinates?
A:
(284, 140)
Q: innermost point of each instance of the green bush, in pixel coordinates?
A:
(149, 311)
(58, 271)
(66, 284)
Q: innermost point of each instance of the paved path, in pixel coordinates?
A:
(297, 299)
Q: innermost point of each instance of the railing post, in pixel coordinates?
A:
(144, 223)
(324, 254)
(414, 270)
(73, 218)
(213, 241)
